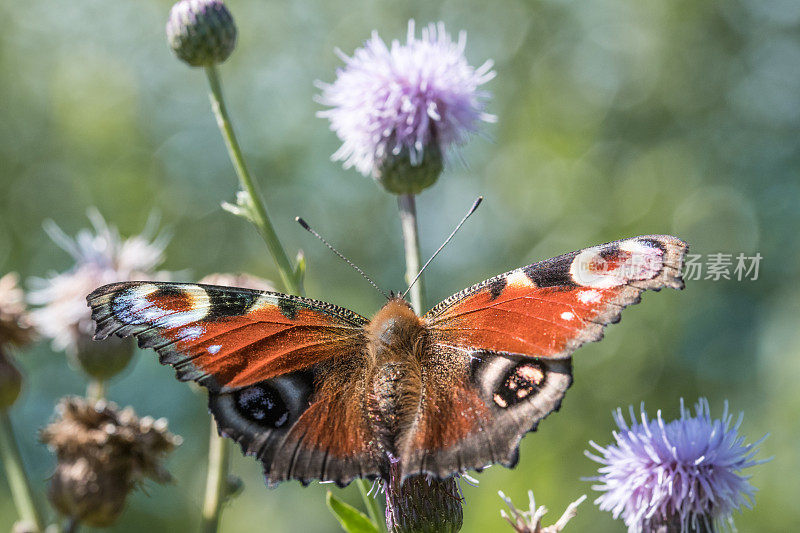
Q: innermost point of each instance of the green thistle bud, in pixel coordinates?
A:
(10, 382)
(201, 32)
(398, 175)
(102, 360)
(421, 504)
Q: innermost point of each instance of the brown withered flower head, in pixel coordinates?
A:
(530, 521)
(103, 454)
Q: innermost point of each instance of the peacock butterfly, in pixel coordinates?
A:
(316, 391)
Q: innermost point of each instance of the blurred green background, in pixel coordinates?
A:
(615, 119)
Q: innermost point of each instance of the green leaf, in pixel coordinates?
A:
(351, 519)
(300, 269)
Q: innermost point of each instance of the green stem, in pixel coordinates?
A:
(218, 458)
(373, 509)
(258, 212)
(17, 479)
(218, 455)
(408, 221)
(72, 525)
(96, 390)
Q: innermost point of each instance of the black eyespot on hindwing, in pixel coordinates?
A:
(263, 405)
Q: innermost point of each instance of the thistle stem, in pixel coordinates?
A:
(218, 459)
(95, 389)
(408, 222)
(218, 453)
(17, 479)
(258, 210)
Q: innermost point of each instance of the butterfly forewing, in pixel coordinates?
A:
(549, 309)
(226, 337)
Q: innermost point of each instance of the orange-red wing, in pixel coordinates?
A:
(224, 337)
(549, 309)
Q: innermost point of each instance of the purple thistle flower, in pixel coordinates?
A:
(682, 473)
(402, 99)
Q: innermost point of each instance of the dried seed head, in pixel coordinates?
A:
(103, 452)
(201, 32)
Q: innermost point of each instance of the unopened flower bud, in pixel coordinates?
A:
(201, 32)
(10, 382)
(103, 360)
(398, 174)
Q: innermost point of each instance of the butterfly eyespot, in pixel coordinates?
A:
(522, 381)
(262, 404)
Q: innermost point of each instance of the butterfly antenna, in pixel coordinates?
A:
(334, 250)
(421, 270)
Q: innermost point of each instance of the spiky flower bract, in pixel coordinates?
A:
(683, 473)
(404, 99)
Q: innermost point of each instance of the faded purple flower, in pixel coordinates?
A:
(101, 256)
(404, 98)
(530, 521)
(682, 473)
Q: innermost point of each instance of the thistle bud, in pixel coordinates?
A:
(422, 504)
(102, 360)
(10, 382)
(201, 32)
(103, 453)
(398, 174)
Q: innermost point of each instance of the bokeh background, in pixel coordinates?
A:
(615, 118)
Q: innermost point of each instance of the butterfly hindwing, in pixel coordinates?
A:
(476, 416)
(301, 426)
